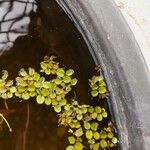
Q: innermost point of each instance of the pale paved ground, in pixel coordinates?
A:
(137, 15)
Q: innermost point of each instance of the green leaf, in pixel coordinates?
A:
(31, 71)
(94, 115)
(102, 90)
(37, 84)
(4, 96)
(40, 99)
(67, 79)
(46, 84)
(57, 108)
(99, 117)
(103, 135)
(45, 92)
(71, 139)
(58, 81)
(94, 93)
(98, 109)
(47, 71)
(78, 146)
(79, 132)
(63, 102)
(84, 110)
(5, 74)
(89, 134)
(36, 76)
(74, 82)
(60, 72)
(94, 87)
(96, 146)
(103, 143)
(104, 114)
(110, 135)
(9, 95)
(25, 95)
(22, 72)
(87, 125)
(91, 141)
(13, 89)
(47, 101)
(94, 126)
(70, 72)
(43, 65)
(114, 140)
(70, 148)
(96, 135)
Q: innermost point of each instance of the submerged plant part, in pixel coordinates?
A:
(82, 121)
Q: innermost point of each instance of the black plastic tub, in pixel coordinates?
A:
(113, 45)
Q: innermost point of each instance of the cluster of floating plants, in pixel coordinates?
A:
(50, 87)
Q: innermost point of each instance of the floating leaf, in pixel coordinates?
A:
(79, 117)
(47, 101)
(96, 135)
(89, 134)
(91, 141)
(78, 146)
(67, 79)
(87, 125)
(99, 117)
(95, 87)
(25, 95)
(98, 109)
(60, 72)
(94, 115)
(31, 71)
(4, 96)
(114, 140)
(63, 102)
(5, 74)
(102, 90)
(36, 76)
(110, 135)
(45, 92)
(103, 143)
(47, 71)
(58, 81)
(43, 65)
(9, 95)
(70, 72)
(37, 84)
(94, 126)
(94, 93)
(22, 72)
(13, 89)
(57, 108)
(104, 114)
(70, 148)
(40, 99)
(74, 82)
(71, 139)
(79, 132)
(103, 135)
(84, 110)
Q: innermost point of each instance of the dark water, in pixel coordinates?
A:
(29, 30)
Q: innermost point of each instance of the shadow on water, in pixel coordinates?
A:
(29, 30)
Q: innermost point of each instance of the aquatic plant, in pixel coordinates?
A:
(50, 87)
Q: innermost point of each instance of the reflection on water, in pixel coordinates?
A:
(14, 20)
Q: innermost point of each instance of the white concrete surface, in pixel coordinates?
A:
(137, 15)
